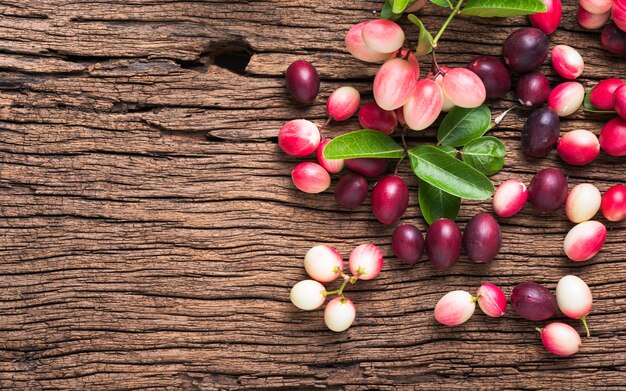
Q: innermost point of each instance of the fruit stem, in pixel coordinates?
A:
(584, 319)
(447, 22)
(539, 330)
(327, 122)
(343, 285)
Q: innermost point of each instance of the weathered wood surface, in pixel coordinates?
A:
(150, 233)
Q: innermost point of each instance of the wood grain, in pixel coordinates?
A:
(150, 233)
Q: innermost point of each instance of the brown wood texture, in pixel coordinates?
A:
(150, 232)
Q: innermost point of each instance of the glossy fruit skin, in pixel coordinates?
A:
(566, 98)
(618, 13)
(390, 198)
(613, 39)
(525, 49)
(299, 137)
(307, 295)
(351, 190)
(443, 243)
(533, 89)
(567, 62)
(407, 243)
(584, 240)
(491, 300)
(409, 56)
(370, 167)
(548, 21)
(548, 190)
(310, 177)
(371, 116)
(383, 36)
(333, 166)
(613, 137)
(540, 133)
(596, 6)
(494, 75)
(592, 21)
(583, 202)
(602, 95)
(366, 261)
(447, 105)
(339, 314)
(614, 203)
(561, 339)
(303, 81)
(358, 48)
(463, 88)
(394, 84)
(533, 301)
(343, 103)
(510, 198)
(320, 263)
(424, 105)
(619, 101)
(573, 297)
(578, 147)
(455, 308)
(482, 238)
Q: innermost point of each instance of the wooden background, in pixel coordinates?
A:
(150, 232)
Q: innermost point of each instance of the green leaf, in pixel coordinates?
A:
(461, 126)
(443, 3)
(399, 6)
(425, 40)
(587, 106)
(363, 143)
(387, 11)
(486, 154)
(449, 150)
(503, 8)
(449, 174)
(436, 203)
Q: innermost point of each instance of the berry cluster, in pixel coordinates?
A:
(324, 264)
(531, 301)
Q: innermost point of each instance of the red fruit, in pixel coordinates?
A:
(491, 300)
(584, 240)
(533, 89)
(578, 147)
(567, 62)
(592, 21)
(299, 137)
(407, 243)
(525, 49)
(310, 177)
(602, 95)
(596, 6)
(613, 39)
(443, 243)
(560, 339)
(618, 13)
(369, 167)
(358, 48)
(351, 190)
(464, 88)
(493, 73)
(455, 308)
(390, 198)
(510, 198)
(333, 166)
(613, 137)
(424, 105)
(566, 98)
(323, 263)
(614, 203)
(619, 101)
(303, 82)
(366, 261)
(383, 36)
(482, 238)
(371, 116)
(548, 190)
(409, 56)
(548, 21)
(394, 83)
(343, 103)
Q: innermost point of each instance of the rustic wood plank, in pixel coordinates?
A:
(150, 233)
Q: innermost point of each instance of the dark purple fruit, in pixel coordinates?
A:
(482, 238)
(390, 198)
(533, 89)
(525, 49)
(407, 243)
(540, 133)
(493, 73)
(351, 190)
(548, 190)
(613, 39)
(533, 301)
(369, 167)
(303, 82)
(443, 243)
